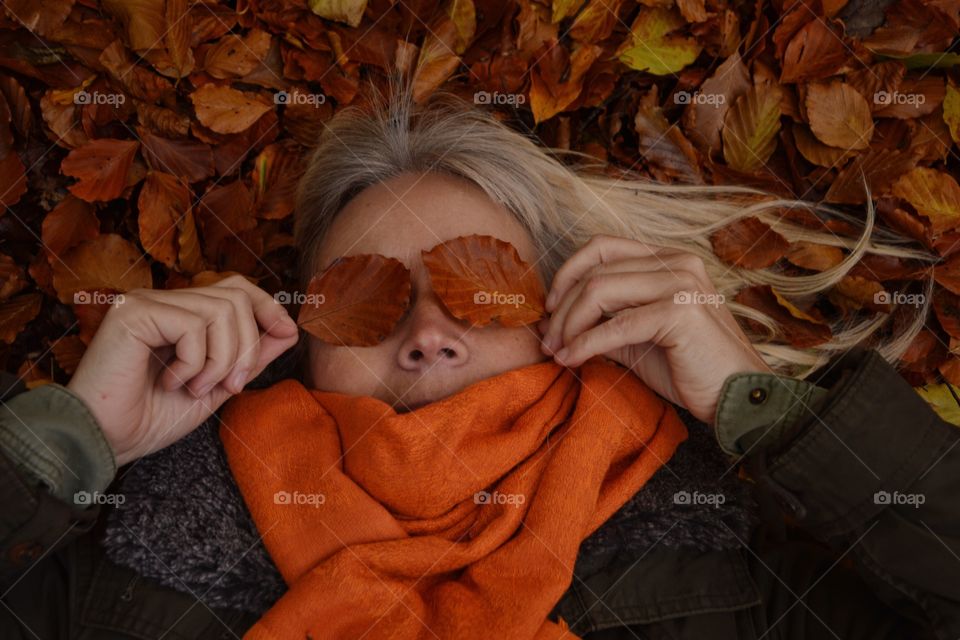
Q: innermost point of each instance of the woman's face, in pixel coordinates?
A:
(430, 354)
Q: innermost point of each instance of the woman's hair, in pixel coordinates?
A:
(563, 205)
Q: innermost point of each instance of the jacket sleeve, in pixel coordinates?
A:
(867, 466)
(54, 462)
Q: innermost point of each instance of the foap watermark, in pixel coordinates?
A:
(299, 297)
(87, 498)
(298, 98)
(498, 297)
(485, 497)
(498, 97)
(97, 297)
(686, 97)
(887, 98)
(898, 297)
(698, 297)
(695, 497)
(296, 498)
(83, 97)
(897, 498)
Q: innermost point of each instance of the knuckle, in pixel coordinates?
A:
(135, 294)
(597, 269)
(235, 280)
(695, 265)
(223, 308)
(593, 285)
(687, 281)
(620, 322)
(599, 238)
(196, 324)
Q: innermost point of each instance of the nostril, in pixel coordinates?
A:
(448, 352)
(416, 354)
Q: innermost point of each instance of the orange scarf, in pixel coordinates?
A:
(459, 520)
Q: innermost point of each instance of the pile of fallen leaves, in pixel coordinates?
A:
(157, 143)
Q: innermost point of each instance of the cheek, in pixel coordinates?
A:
(519, 345)
(344, 369)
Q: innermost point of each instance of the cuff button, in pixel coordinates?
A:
(758, 395)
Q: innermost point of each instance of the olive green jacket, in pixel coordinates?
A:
(856, 474)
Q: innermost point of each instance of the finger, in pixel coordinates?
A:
(248, 336)
(612, 292)
(156, 325)
(280, 331)
(675, 262)
(650, 323)
(269, 314)
(600, 248)
(270, 349)
(222, 332)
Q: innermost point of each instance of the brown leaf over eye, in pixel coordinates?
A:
(356, 301)
(482, 279)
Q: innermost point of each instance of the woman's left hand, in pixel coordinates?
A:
(669, 325)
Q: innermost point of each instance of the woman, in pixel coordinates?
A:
(572, 478)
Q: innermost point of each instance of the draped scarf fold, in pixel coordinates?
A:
(461, 519)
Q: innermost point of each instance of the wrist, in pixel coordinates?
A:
(750, 366)
(121, 451)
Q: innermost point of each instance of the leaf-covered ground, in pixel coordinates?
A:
(156, 143)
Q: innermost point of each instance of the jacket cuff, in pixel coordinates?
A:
(873, 431)
(50, 433)
(758, 408)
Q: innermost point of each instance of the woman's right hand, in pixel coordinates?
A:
(162, 361)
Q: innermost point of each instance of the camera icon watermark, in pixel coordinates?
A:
(87, 498)
(897, 498)
(887, 98)
(298, 297)
(688, 498)
(97, 297)
(898, 297)
(686, 97)
(499, 98)
(296, 498)
(84, 97)
(298, 98)
(485, 497)
(498, 297)
(698, 297)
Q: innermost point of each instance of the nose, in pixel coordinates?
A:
(432, 338)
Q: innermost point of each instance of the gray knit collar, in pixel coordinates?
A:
(184, 524)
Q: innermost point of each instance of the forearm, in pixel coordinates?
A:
(869, 467)
(54, 465)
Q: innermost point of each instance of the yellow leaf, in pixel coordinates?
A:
(934, 194)
(750, 128)
(942, 401)
(794, 310)
(951, 110)
(349, 11)
(464, 17)
(650, 48)
(564, 8)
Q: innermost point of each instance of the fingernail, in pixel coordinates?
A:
(562, 354)
(551, 298)
(238, 378)
(205, 389)
(548, 342)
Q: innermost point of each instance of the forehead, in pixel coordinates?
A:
(412, 212)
